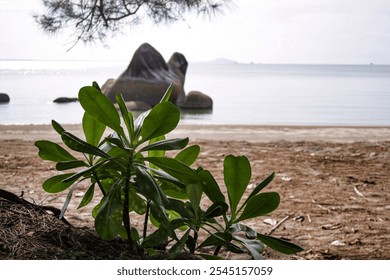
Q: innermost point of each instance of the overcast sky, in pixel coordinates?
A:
(259, 31)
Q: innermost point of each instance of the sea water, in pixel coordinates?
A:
(261, 94)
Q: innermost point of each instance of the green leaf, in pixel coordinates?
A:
(215, 210)
(134, 234)
(155, 153)
(179, 207)
(249, 232)
(108, 220)
(114, 139)
(66, 165)
(259, 205)
(93, 129)
(167, 94)
(55, 184)
(191, 244)
(84, 172)
(173, 189)
(79, 145)
(57, 127)
(237, 173)
(210, 187)
(147, 186)
(254, 247)
(279, 245)
(163, 176)
(179, 246)
(126, 115)
(139, 121)
(67, 201)
(136, 203)
(166, 145)
(188, 155)
(221, 239)
(158, 212)
(52, 151)
(261, 186)
(96, 85)
(87, 197)
(194, 192)
(174, 168)
(155, 239)
(98, 106)
(163, 118)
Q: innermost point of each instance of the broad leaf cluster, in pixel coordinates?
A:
(125, 163)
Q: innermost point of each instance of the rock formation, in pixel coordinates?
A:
(65, 99)
(147, 78)
(197, 100)
(4, 98)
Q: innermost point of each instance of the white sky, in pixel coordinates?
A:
(260, 31)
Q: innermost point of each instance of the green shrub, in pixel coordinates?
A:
(133, 173)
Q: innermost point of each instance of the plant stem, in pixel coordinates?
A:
(126, 217)
(99, 183)
(146, 219)
(216, 252)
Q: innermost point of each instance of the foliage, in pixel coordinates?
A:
(94, 19)
(134, 175)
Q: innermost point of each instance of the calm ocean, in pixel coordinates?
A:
(262, 94)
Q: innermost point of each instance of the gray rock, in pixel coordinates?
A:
(107, 85)
(4, 98)
(197, 100)
(65, 99)
(148, 76)
(178, 64)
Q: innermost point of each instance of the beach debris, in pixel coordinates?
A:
(270, 222)
(331, 226)
(358, 192)
(286, 179)
(79, 194)
(279, 224)
(337, 243)
(299, 218)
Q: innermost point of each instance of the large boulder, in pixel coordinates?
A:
(197, 100)
(178, 64)
(4, 98)
(148, 76)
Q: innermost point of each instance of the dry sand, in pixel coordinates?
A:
(250, 133)
(333, 181)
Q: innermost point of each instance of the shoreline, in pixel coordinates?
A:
(228, 132)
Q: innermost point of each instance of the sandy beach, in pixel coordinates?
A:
(250, 133)
(333, 181)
